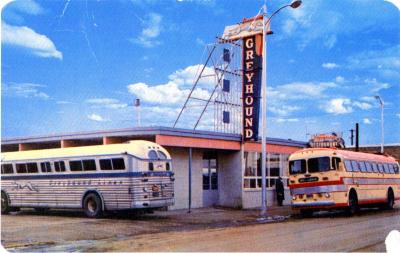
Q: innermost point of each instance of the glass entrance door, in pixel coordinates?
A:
(210, 180)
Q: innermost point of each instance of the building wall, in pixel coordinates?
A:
(252, 198)
(180, 163)
(230, 179)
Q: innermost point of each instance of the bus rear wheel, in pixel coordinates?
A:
(390, 200)
(92, 206)
(5, 207)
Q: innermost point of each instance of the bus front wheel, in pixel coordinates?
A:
(306, 213)
(5, 207)
(390, 200)
(353, 203)
(92, 205)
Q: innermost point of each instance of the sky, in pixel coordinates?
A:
(75, 65)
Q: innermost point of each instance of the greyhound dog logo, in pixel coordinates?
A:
(28, 185)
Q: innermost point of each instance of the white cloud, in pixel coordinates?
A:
(25, 37)
(106, 103)
(283, 120)
(299, 90)
(398, 115)
(151, 30)
(25, 90)
(367, 121)
(27, 6)
(362, 105)
(339, 79)
(283, 110)
(376, 86)
(96, 117)
(338, 106)
(176, 90)
(63, 102)
(330, 65)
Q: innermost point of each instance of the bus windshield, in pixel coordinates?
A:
(319, 164)
(297, 167)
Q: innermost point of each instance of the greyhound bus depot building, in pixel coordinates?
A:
(211, 169)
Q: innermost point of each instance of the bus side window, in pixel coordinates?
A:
(369, 166)
(21, 167)
(386, 167)
(59, 166)
(7, 168)
(396, 168)
(105, 164)
(31, 168)
(362, 166)
(45, 167)
(375, 168)
(335, 163)
(391, 169)
(118, 163)
(354, 165)
(89, 165)
(380, 167)
(75, 165)
(348, 165)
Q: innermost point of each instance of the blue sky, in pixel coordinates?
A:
(77, 65)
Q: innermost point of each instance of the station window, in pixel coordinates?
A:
(7, 168)
(59, 166)
(45, 167)
(275, 163)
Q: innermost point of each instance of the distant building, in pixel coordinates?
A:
(225, 171)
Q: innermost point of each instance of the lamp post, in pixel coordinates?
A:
(381, 102)
(294, 5)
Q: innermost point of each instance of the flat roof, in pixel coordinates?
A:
(142, 132)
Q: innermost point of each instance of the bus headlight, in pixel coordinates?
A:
(327, 194)
(294, 197)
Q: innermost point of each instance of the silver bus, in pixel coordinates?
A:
(135, 174)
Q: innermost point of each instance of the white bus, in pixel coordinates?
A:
(135, 174)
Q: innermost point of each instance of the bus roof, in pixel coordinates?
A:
(137, 148)
(346, 154)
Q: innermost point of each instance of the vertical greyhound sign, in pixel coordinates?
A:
(251, 34)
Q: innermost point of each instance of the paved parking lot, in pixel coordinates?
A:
(223, 229)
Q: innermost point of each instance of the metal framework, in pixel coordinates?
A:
(214, 100)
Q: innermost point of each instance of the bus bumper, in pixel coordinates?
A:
(152, 203)
(314, 204)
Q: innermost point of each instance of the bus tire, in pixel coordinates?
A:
(390, 200)
(352, 209)
(41, 210)
(92, 205)
(306, 213)
(5, 204)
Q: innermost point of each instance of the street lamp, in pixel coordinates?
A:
(294, 5)
(382, 129)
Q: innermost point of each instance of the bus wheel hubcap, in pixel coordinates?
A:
(92, 205)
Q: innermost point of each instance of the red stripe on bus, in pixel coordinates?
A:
(372, 201)
(318, 183)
